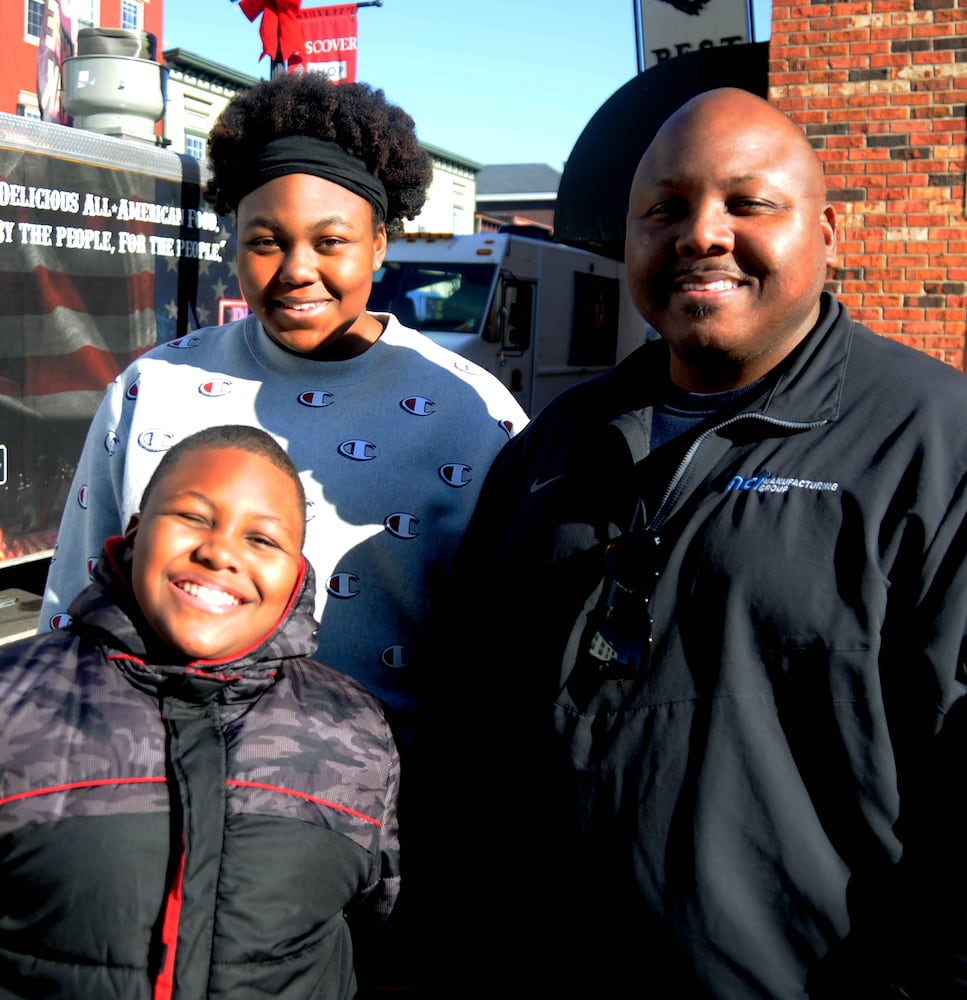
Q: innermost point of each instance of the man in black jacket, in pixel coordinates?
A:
(704, 635)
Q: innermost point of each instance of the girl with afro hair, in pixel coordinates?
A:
(356, 117)
(392, 434)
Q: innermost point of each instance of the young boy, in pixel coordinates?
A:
(188, 804)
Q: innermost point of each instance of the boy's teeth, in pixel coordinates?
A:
(209, 595)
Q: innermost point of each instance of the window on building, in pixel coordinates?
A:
(85, 13)
(27, 106)
(34, 18)
(195, 145)
(132, 15)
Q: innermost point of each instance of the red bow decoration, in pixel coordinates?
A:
(279, 30)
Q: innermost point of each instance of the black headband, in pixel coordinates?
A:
(303, 154)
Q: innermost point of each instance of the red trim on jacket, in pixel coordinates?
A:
(230, 782)
(235, 783)
(73, 785)
(164, 984)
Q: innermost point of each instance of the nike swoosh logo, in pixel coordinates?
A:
(538, 485)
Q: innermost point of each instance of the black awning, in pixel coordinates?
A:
(592, 197)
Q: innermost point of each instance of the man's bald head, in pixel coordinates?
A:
(748, 114)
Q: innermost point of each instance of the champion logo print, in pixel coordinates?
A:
(184, 343)
(316, 398)
(156, 439)
(343, 585)
(455, 474)
(419, 406)
(394, 657)
(358, 450)
(402, 525)
(216, 387)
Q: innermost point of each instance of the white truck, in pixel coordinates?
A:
(540, 315)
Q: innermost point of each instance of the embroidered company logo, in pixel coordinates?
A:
(111, 442)
(507, 426)
(83, 496)
(316, 398)
(132, 390)
(766, 482)
(216, 387)
(419, 406)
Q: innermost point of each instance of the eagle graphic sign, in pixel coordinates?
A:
(670, 28)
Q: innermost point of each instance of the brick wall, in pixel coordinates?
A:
(880, 89)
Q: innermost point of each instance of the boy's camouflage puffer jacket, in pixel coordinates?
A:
(187, 830)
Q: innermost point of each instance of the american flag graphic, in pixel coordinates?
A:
(106, 249)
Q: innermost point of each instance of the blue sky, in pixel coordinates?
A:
(497, 81)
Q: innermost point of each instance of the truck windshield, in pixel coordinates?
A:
(446, 298)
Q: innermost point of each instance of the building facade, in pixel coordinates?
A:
(198, 90)
(517, 194)
(880, 89)
(452, 197)
(23, 23)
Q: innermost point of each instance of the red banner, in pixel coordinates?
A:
(329, 43)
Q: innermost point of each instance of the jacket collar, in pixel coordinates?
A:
(806, 387)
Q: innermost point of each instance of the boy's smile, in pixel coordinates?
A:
(217, 551)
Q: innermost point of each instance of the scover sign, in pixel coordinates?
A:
(671, 28)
